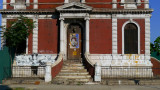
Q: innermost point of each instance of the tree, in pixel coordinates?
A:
(157, 44)
(155, 47)
(17, 32)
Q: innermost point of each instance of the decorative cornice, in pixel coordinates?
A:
(94, 10)
(24, 11)
(122, 11)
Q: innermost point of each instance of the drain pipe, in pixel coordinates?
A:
(97, 76)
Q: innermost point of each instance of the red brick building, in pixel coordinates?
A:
(108, 32)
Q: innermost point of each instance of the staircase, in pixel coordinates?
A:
(72, 73)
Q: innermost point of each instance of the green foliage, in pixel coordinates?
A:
(156, 46)
(18, 31)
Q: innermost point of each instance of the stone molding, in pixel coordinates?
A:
(114, 34)
(35, 36)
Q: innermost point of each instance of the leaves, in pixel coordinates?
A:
(156, 46)
(18, 31)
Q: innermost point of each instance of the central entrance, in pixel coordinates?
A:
(74, 44)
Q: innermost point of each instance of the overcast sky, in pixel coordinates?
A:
(155, 19)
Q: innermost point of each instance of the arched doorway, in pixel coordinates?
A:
(74, 42)
(130, 39)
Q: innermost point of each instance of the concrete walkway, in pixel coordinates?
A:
(82, 87)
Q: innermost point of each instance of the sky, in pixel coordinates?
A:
(155, 19)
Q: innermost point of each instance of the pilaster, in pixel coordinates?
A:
(35, 36)
(146, 5)
(114, 34)
(35, 6)
(4, 23)
(4, 4)
(147, 37)
(114, 4)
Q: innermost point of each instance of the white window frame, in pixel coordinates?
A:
(123, 28)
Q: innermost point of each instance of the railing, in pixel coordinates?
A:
(129, 73)
(28, 71)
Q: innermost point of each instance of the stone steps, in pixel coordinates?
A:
(72, 73)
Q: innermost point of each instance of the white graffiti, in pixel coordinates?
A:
(34, 59)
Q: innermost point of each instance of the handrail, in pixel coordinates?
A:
(58, 60)
(87, 59)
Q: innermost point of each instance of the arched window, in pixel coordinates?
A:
(130, 39)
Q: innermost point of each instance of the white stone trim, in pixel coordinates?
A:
(35, 6)
(66, 1)
(146, 5)
(147, 36)
(61, 34)
(121, 60)
(35, 36)
(87, 33)
(83, 1)
(114, 34)
(4, 4)
(3, 23)
(81, 7)
(27, 46)
(114, 4)
(134, 22)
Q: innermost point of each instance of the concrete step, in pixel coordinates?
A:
(74, 77)
(73, 70)
(73, 65)
(72, 74)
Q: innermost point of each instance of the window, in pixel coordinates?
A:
(130, 4)
(130, 39)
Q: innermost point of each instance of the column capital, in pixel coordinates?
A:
(61, 18)
(87, 18)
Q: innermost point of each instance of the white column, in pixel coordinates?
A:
(4, 22)
(35, 6)
(4, 4)
(87, 34)
(146, 5)
(61, 35)
(35, 36)
(147, 38)
(114, 5)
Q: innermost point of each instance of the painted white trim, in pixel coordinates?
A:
(35, 6)
(114, 4)
(147, 36)
(146, 5)
(3, 23)
(87, 34)
(134, 22)
(61, 34)
(114, 34)
(35, 36)
(27, 46)
(4, 4)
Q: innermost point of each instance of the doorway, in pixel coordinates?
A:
(74, 42)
